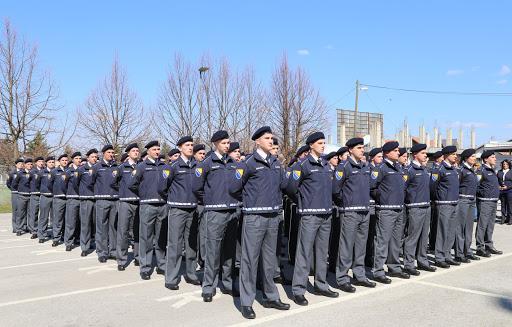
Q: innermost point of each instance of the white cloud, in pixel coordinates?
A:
(454, 72)
(502, 81)
(329, 47)
(509, 125)
(303, 52)
(505, 70)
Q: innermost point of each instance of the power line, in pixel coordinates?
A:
(439, 92)
(343, 97)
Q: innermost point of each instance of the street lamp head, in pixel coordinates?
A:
(203, 69)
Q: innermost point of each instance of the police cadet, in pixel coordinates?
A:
(417, 204)
(388, 188)
(375, 157)
(402, 159)
(22, 183)
(86, 195)
(35, 194)
(466, 207)
(212, 176)
(332, 159)
(58, 185)
(447, 197)
(105, 196)
(45, 201)
(486, 202)
(14, 192)
(234, 151)
(311, 182)
(152, 212)
(352, 184)
(173, 155)
(437, 158)
(199, 156)
(182, 203)
(128, 211)
(72, 201)
(261, 180)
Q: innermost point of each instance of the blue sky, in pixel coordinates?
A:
(433, 45)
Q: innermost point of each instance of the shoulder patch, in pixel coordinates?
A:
(114, 173)
(375, 174)
(296, 174)
(406, 177)
(288, 173)
(165, 173)
(199, 172)
(339, 175)
(435, 177)
(239, 173)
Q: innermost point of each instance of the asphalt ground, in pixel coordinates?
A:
(45, 286)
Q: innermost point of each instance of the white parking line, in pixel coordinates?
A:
(185, 298)
(465, 290)
(20, 246)
(45, 263)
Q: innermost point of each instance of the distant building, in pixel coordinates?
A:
(364, 124)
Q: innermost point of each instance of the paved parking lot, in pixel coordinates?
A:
(45, 286)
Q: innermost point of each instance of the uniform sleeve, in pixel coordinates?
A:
(165, 183)
(8, 183)
(200, 174)
(117, 179)
(337, 184)
(294, 181)
(15, 180)
(238, 180)
(375, 180)
(51, 179)
(94, 174)
(38, 179)
(134, 182)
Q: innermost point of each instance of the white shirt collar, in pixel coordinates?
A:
(220, 156)
(151, 160)
(447, 163)
(389, 161)
(467, 165)
(131, 162)
(262, 154)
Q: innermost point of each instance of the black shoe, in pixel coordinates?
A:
(207, 297)
(326, 293)
(346, 287)
(69, 248)
(382, 279)
(145, 276)
(247, 312)
(452, 262)
(136, 263)
(483, 253)
(473, 257)
(462, 260)
(365, 283)
(33, 236)
(427, 268)
(83, 254)
(282, 280)
(193, 281)
(172, 287)
(276, 305)
(412, 271)
(19, 233)
(300, 300)
(120, 268)
(41, 241)
(112, 257)
(442, 264)
(399, 274)
(494, 251)
(160, 271)
(233, 293)
(55, 243)
(102, 259)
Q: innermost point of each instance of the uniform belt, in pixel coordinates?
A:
(315, 210)
(47, 194)
(254, 209)
(488, 199)
(24, 193)
(72, 196)
(354, 208)
(86, 197)
(60, 196)
(446, 202)
(467, 196)
(418, 204)
(129, 199)
(105, 196)
(156, 201)
(35, 193)
(389, 206)
(182, 203)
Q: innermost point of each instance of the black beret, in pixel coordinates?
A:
(162, 157)
(260, 131)
(390, 146)
(184, 139)
(209, 153)
(19, 160)
(83, 159)
(123, 157)
(28, 160)
(342, 150)
(76, 154)
(418, 147)
(315, 137)
(486, 154)
(131, 146)
(144, 153)
(152, 144)
(330, 155)
(375, 151)
(38, 158)
(467, 153)
(199, 147)
(449, 149)
(219, 135)
(354, 141)
(107, 147)
(301, 150)
(233, 146)
(437, 155)
(402, 151)
(91, 151)
(275, 141)
(173, 152)
(63, 156)
(49, 158)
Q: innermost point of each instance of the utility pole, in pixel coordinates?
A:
(355, 108)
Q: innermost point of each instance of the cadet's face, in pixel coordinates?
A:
(50, 164)
(266, 143)
(393, 154)
(344, 156)
(491, 160)
(174, 157)
(357, 151)
(275, 150)
(471, 160)
(403, 158)
(377, 160)
(303, 155)
(134, 154)
(187, 149)
(222, 146)
(505, 165)
(77, 161)
(334, 161)
(40, 163)
(19, 165)
(92, 158)
(235, 155)
(421, 156)
(63, 162)
(154, 152)
(451, 158)
(28, 166)
(108, 155)
(200, 155)
(318, 147)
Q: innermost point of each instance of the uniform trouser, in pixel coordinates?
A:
(370, 242)
(201, 237)
(59, 212)
(106, 214)
(389, 229)
(45, 210)
(87, 216)
(464, 227)
(259, 240)
(23, 210)
(72, 220)
(238, 253)
(485, 224)
(152, 235)
(507, 203)
(433, 226)
(33, 213)
(293, 233)
(220, 248)
(334, 238)
(128, 213)
(446, 222)
(416, 239)
(14, 206)
(180, 225)
(279, 242)
(314, 234)
(352, 246)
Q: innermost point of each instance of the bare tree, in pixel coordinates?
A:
(113, 114)
(27, 95)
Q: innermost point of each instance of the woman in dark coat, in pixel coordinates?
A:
(505, 178)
